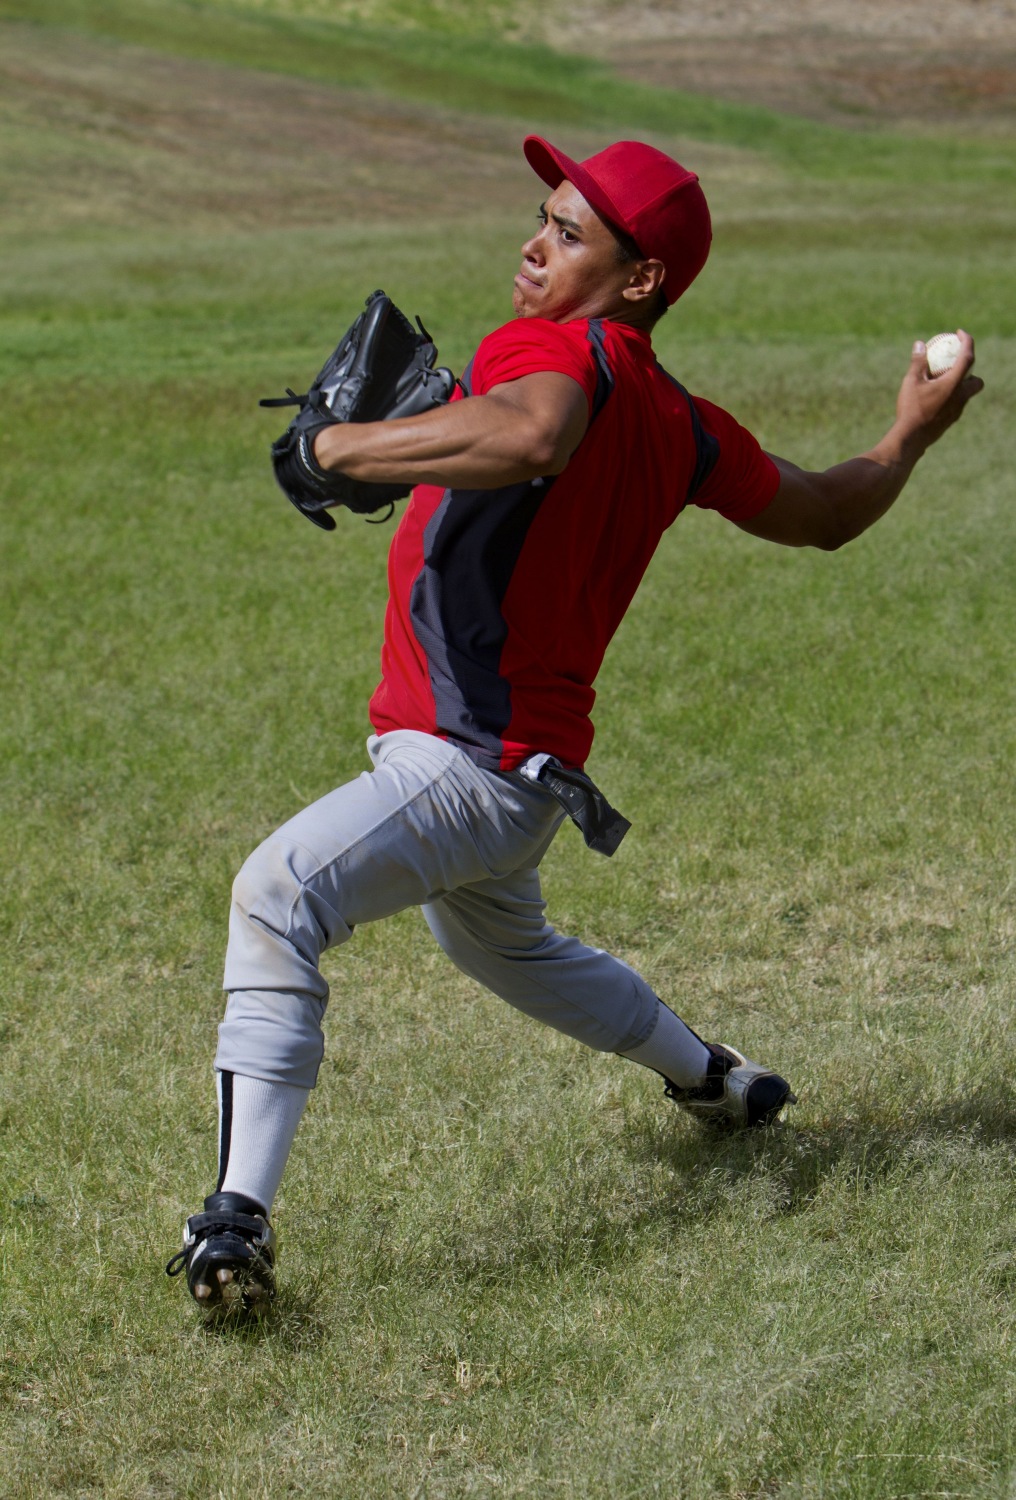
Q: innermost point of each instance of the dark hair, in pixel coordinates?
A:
(626, 252)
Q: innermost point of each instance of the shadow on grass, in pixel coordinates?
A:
(789, 1166)
(511, 1233)
(293, 1321)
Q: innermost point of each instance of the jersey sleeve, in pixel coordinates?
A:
(744, 479)
(531, 346)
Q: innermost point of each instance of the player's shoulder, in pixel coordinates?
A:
(530, 345)
(537, 333)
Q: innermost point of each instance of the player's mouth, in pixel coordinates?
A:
(526, 281)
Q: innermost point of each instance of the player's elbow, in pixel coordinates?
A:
(821, 523)
(557, 460)
(831, 538)
(547, 450)
(838, 527)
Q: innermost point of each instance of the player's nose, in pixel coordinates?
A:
(531, 249)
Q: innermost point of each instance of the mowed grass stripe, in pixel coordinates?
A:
(531, 83)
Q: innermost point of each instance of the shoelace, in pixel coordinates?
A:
(176, 1264)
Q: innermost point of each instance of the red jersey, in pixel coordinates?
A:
(503, 601)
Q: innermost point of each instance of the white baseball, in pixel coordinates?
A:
(943, 352)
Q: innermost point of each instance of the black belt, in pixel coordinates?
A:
(601, 825)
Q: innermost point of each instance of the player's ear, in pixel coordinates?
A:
(645, 280)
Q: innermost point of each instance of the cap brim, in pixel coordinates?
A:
(554, 168)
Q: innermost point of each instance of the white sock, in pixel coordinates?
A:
(257, 1124)
(674, 1050)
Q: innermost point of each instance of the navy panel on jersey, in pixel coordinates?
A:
(471, 546)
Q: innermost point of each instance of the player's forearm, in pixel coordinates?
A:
(857, 493)
(480, 443)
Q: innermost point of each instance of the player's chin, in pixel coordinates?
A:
(523, 300)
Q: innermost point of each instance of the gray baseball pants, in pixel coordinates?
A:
(425, 828)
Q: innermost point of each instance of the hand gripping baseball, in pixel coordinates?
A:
(928, 404)
(381, 368)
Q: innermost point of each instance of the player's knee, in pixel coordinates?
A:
(268, 882)
(284, 890)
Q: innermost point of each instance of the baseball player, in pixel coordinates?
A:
(541, 490)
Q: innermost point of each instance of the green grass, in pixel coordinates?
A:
(509, 79)
(481, 20)
(507, 1267)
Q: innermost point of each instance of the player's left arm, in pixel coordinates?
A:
(828, 508)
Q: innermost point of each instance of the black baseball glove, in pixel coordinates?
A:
(382, 368)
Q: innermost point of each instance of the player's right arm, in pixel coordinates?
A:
(828, 508)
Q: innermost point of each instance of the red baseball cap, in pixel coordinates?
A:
(644, 193)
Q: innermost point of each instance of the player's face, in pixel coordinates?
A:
(570, 267)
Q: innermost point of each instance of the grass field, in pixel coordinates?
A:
(508, 1269)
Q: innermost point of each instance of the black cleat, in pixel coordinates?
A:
(228, 1254)
(736, 1092)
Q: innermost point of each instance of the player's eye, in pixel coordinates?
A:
(568, 237)
(541, 219)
